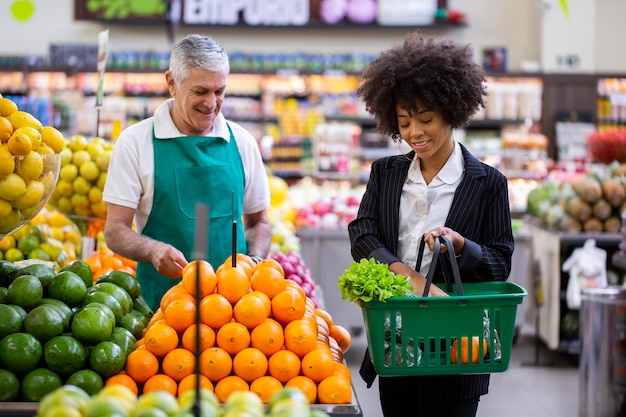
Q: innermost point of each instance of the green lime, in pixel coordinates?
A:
(44, 322)
(124, 332)
(107, 359)
(82, 269)
(27, 243)
(39, 382)
(87, 379)
(124, 280)
(9, 385)
(99, 407)
(92, 325)
(107, 310)
(40, 254)
(124, 340)
(14, 255)
(106, 299)
(133, 324)
(25, 291)
(67, 287)
(140, 316)
(19, 309)
(120, 294)
(141, 305)
(43, 272)
(20, 352)
(10, 320)
(63, 309)
(6, 267)
(3, 295)
(64, 355)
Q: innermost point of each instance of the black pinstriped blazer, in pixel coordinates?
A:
(480, 212)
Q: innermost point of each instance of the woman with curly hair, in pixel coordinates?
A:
(418, 92)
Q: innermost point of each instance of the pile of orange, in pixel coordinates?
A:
(104, 260)
(258, 332)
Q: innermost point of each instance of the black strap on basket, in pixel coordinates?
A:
(448, 268)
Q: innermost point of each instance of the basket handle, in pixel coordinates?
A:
(433, 266)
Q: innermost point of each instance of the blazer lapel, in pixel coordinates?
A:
(468, 194)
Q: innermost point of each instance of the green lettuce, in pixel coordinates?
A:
(368, 279)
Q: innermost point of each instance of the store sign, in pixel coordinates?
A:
(251, 12)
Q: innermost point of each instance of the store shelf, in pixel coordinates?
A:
(619, 260)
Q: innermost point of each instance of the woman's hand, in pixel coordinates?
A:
(458, 241)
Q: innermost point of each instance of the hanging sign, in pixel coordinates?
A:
(103, 48)
(252, 12)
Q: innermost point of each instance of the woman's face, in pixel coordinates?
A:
(198, 100)
(426, 132)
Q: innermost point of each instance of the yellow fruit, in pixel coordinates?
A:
(95, 195)
(44, 149)
(104, 159)
(63, 189)
(32, 198)
(6, 129)
(7, 162)
(66, 156)
(32, 133)
(95, 148)
(68, 173)
(81, 186)
(80, 157)
(8, 241)
(79, 200)
(30, 166)
(278, 189)
(5, 209)
(12, 187)
(7, 107)
(77, 143)
(8, 224)
(89, 170)
(102, 178)
(19, 144)
(53, 138)
(99, 209)
(65, 205)
(22, 118)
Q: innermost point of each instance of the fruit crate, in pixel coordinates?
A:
(415, 335)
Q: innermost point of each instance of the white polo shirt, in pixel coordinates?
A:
(130, 177)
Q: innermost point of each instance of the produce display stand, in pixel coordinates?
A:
(18, 409)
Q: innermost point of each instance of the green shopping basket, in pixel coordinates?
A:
(416, 335)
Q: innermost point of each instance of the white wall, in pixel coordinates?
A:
(515, 24)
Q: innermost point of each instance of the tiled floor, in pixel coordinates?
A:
(523, 390)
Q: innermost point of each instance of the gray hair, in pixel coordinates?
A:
(197, 51)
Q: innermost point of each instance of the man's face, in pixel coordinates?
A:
(197, 100)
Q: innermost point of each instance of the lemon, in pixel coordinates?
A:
(65, 205)
(34, 194)
(63, 189)
(21, 118)
(77, 143)
(73, 236)
(79, 200)
(99, 209)
(28, 213)
(48, 180)
(81, 186)
(30, 167)
(89, 170)
(7, 107)
(6, 129)
(44, 149)
(84, 211)
(104, 159)
(68, 173)
(95, 195)
(56, 219)
(102, 179)
(12, 187)
(5, 209)
(19, 144)
(32, 133)
(80, 157)
(7, 162)
(53, 138)
(66, 156)
(94, 148)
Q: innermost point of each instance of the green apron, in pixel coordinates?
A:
(188, 170)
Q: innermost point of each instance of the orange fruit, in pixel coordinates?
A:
(180, 314)
(160, 339)
(160, 382)
(215, 363)
(215, 310)
(177, 292)
(207, 337)
(242, 266)
(342, 370)
(295, 286)
(318, 364)
(233, 283)
(123, 379)
(271, 263)
(252, 309)
(288, 305)
(208, 279)
(306, 385)
(284, 365)
(141, 364)
(326, 316)
(342, 336)
(265, 387)
(250, 363)
(226, 386)
(268, 280)
(178, 363)
(454, 355)
(240, 259)
(300, 337)
(233, 337)
(334, 390)
(268, 337)
(189, 382)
